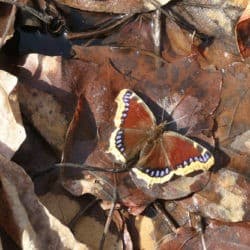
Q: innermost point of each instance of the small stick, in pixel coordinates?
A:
(111, 211)
(80, 213)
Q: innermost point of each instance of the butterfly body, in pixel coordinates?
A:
(161, 154)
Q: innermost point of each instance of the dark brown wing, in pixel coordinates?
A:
(172, 154)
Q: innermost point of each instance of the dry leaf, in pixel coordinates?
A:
(226, 198)
(89, 226)
(242, 33)
(114, 6)
(232, 119)
(12, 133)
(45, 97)
(218, 235)
(24, 218)
(7, 19)
(242, 143)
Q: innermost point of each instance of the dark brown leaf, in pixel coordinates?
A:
(7, 19)
(242, 33)
(218, 235)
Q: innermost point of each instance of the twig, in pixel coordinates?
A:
(108, 221)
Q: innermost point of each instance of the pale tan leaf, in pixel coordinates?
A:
(12, 133)
(23, 216)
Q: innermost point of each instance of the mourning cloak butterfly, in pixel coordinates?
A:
(162, 154)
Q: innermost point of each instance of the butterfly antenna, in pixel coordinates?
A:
(174, 121)
(164, 105)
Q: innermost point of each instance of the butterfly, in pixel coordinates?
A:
(161, 154)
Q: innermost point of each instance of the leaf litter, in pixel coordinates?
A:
(69, 103)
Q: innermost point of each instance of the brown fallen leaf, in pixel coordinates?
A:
(218, 235)
(242, 33)
(12, 133)
(45, 113)
(242, 143)
(232, 119)
(134, 34)
(7, 19)
(216, 18)
(212, 23)
(24, 218)
(225, 198)
(46, 98)
(115, 6)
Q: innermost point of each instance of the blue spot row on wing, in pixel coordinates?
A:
(126, 99)
(119, 140)
(163, 172)
(157, 172)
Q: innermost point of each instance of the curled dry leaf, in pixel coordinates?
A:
(242, 33)
(115, 6)
(213, 23)
(7, 19)
(218, 235)
(216, 19)
(12, 133)
(24, 218)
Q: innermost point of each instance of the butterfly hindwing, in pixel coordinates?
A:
(172, 154)
(132, 120)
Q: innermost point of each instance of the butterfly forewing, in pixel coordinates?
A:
(133, 120)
